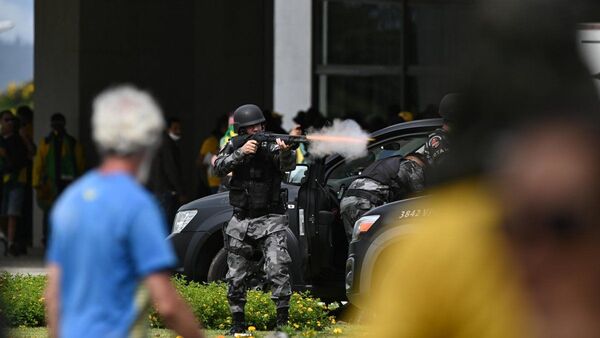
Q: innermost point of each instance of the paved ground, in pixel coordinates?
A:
(32, 263)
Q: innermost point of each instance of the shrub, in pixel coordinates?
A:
(22, 299)
(24, 305)
(209, 303)
(308, 313)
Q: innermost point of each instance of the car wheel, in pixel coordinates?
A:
(218, 267)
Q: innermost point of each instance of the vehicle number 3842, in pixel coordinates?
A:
(414, 213)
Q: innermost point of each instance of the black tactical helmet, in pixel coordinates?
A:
(247, 115)
(450, 105)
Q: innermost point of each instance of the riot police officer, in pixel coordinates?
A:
(259, 219)
(437, 144)
(383, 181)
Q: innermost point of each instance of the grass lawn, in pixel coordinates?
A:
(348, 330)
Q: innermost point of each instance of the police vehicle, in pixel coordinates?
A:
(316, 239)
(376, 236)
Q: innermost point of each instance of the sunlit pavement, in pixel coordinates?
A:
(32, 263)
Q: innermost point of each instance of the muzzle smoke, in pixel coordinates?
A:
(344, 137)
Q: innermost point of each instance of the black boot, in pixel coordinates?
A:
(237, 324)
(282, 318)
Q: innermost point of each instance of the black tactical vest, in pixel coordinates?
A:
(386, 172)
(256, 184)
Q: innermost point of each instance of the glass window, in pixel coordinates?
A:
(375, 58)
(437, 33)
(296, 176)
(364, 33)
(362, 96)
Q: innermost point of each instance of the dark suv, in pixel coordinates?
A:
(315, 236)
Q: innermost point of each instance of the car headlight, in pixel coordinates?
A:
(182, 219)
(363, 225)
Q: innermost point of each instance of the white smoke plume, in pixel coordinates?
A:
(344, 137)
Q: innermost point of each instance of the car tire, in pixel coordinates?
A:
(218, 267)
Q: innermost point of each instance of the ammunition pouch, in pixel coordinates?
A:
(238, 197)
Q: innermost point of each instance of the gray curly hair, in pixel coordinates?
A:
(126, 120)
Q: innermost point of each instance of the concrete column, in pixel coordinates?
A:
(292, 58)
(56, 73)
(588, 38)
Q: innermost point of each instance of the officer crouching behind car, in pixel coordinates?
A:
(438, 142)
(382, 182)
(259, 218)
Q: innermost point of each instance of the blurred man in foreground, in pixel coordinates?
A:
(549, 190)
(108, 233)
(523, 263)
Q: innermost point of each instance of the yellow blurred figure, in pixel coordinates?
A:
(453, 277)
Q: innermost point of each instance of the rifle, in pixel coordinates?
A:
(264, 138)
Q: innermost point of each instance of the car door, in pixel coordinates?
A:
(318, 203)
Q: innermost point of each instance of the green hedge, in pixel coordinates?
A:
(22, 297)
(22, 300)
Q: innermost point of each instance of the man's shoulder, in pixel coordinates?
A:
(437, 138)
(117, 186)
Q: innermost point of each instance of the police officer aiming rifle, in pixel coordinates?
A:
(259, 219)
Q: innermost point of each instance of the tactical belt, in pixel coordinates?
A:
(371, 197)
(244, 213)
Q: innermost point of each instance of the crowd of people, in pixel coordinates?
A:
(47, 167)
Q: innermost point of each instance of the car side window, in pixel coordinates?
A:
(296, 176)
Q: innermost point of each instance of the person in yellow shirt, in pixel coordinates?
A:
(208, 151)
(58, 162)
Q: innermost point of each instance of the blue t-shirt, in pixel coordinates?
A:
(107, 235)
